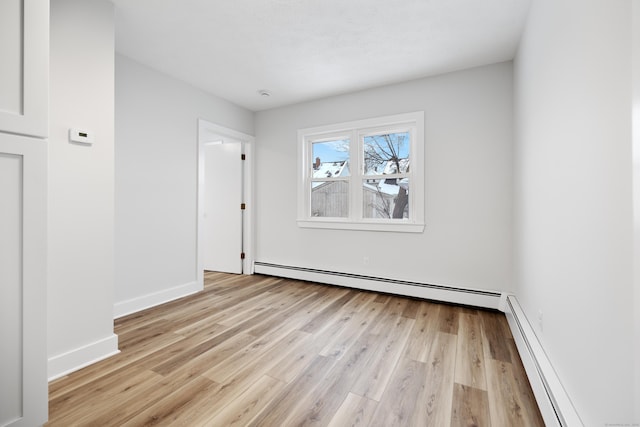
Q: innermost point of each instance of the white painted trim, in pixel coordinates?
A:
(143, 302)
(65, 363)
(553, 401)
(248, 234)
(502, 306)
(206, 127)
(355, 131)
(445, 293)
(400, 227)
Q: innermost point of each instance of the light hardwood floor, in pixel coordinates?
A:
(265, 351)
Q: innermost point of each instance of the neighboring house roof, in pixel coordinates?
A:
(331, 169)
(387, 189)
(341, 168)
(389, 167)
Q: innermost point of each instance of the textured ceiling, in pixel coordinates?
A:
(307, 49)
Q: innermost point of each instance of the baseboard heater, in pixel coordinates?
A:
(553, 401)
(452, 294)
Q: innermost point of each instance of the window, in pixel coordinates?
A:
(363, 175)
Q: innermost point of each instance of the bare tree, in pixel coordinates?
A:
(379, 151)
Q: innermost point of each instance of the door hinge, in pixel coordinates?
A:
(243, 206)
(243, 157)
(241, 255)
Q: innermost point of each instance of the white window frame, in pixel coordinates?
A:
(355, 131)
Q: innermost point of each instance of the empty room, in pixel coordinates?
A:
(331, 213)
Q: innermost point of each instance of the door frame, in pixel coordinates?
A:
(207, 128)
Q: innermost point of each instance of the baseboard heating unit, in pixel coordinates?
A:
(452, 294)
(553, 401)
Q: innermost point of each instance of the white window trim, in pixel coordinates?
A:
(354, 130)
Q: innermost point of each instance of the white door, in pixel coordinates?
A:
(24, 78)
(23, 267)
(222, 214)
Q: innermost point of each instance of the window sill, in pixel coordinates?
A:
(400, 227)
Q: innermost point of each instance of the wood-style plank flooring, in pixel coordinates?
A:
(265, 351)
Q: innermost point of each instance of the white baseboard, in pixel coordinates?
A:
(65, 363)
(143, 302)
(553, 401)
(465, 296)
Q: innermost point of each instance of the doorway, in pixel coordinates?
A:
(222, 217)
(225, 230)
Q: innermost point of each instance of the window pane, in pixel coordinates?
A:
(330, 158)
(385, 198)
(330, 199)
(386, 154)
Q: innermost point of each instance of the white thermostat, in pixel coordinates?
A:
(81, 136)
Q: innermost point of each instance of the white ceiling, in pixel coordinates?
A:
(307, 49)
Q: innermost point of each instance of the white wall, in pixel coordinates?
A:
(80, 222)
(467, 240)
(156, 181)
(573, 208)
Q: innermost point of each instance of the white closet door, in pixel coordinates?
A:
(222, 213)
(24, 80)
(23, 203)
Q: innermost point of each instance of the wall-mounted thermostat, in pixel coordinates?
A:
(81, 136)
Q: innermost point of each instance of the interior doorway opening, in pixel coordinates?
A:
(225, 200)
